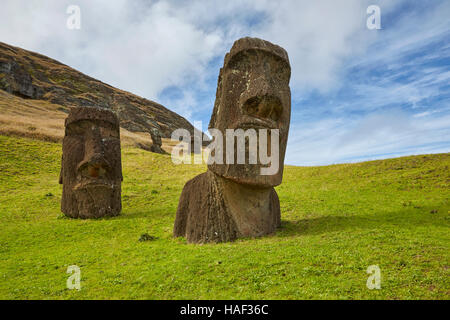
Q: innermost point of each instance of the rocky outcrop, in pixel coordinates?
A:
(34, 76)
(16, 80)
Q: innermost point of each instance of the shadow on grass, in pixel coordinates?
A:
(403, 219)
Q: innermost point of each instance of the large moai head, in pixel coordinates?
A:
(253, 93)
(91, 170)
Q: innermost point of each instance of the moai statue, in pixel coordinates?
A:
(91, 170)
(156, 141)
(235, 200)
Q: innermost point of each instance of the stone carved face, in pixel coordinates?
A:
(253, 92)
(91, 171)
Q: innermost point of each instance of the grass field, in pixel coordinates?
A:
(336, 221)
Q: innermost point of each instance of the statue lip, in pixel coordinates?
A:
(97, 159)
(256, 123)
(93, 183)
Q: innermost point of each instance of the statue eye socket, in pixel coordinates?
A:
(74, 131)
(241, 61)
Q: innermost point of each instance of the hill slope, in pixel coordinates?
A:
(336, 221)
(33, 82)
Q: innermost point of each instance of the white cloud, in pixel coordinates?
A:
(318, 35)
(139, 48)
(145, 47)
(375, 136)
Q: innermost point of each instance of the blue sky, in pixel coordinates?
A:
(357, 94)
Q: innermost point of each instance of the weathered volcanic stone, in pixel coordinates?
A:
(91, 170)
(156, 141)
(234, 200)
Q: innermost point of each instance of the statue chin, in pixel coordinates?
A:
(247, 174)
(94, 201)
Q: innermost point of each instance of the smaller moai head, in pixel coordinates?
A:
(91, 169)
(253, 93)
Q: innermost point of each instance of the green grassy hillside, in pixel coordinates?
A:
(336, 221)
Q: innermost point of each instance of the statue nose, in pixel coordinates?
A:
(94, 164)
(261, 99)
(94, 141)
(265, 107)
